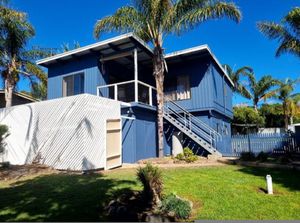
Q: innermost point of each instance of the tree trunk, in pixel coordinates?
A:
(158, 72)
(10, 83)
(286, 116)
(255, 108)
(9, 88)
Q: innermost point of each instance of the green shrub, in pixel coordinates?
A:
(187, 156)
(247, 156)
(151, 178)
(262, 157)
(172, 204)
(3, 135)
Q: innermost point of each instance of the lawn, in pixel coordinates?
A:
(225, 192)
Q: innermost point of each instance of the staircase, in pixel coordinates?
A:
(191, 126)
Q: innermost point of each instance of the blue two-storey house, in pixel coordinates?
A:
(198, 94)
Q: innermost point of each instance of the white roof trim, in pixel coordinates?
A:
(196, 49)
(95, 45)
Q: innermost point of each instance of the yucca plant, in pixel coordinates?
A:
(153, 20)
(151, 179)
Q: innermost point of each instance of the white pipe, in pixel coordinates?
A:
(269, 184)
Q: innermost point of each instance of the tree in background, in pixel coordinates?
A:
(153, 20)
(261, 89)
(66, 46)
(287, 32)
(245, 118)
(285, 95)
(235, 76)
(273, 115)
(15, 60)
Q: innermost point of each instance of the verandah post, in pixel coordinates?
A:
(136, 91)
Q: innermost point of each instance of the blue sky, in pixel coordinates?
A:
(66, 21)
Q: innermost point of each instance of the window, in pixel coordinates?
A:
(73, 84)
(179, 88)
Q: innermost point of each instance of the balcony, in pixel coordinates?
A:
(133, 91)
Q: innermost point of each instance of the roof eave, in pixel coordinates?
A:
(47, 60)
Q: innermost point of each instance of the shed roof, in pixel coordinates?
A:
(105, 48)
(191, 52)
(125, 43)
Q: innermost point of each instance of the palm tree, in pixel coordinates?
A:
(287, 32)
(15, 60)
(261, 89)
(153, 20)
(235, 77)
(285, 95)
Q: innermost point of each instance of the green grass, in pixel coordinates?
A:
(219, 193)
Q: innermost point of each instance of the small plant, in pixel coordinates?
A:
(262, 157)
(247, 156)
(173, 204)
(187, 156)
(3, 135)
(151, 178)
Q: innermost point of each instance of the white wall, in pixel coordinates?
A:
(66, 133)
(271, 130)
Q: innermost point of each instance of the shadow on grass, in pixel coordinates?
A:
(60, 197)
(286, 178)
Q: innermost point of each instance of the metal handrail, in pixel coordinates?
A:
(191, 126)
(194, 118)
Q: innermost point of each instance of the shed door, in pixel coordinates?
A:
(113, 143)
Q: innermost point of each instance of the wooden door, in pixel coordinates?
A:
(113, 143)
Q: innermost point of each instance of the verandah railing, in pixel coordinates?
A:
(270, 143)
(129, 91)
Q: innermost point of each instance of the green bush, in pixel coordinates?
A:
(3, 135)
(262, 157)
(151, 178)
(247, 156)
(172, 204)
(187, 156)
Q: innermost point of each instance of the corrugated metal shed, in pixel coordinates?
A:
(67, 133)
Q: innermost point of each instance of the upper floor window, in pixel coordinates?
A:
(179, 88)
(73, 84)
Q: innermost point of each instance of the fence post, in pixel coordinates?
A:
(249, 143)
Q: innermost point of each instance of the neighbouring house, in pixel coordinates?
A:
(197, 111)
(19, 98)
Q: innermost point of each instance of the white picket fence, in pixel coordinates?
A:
(271, 143)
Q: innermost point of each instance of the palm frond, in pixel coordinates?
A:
(244, 92)
(126, 19)
(293, 20)
(208, 10)
(287, 33)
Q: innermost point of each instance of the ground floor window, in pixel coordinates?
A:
(73, 84)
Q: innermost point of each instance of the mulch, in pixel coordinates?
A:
(14, 172)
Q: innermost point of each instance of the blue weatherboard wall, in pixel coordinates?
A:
(209, 88)
(139, 133)
(89, 65)
(211, 101)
